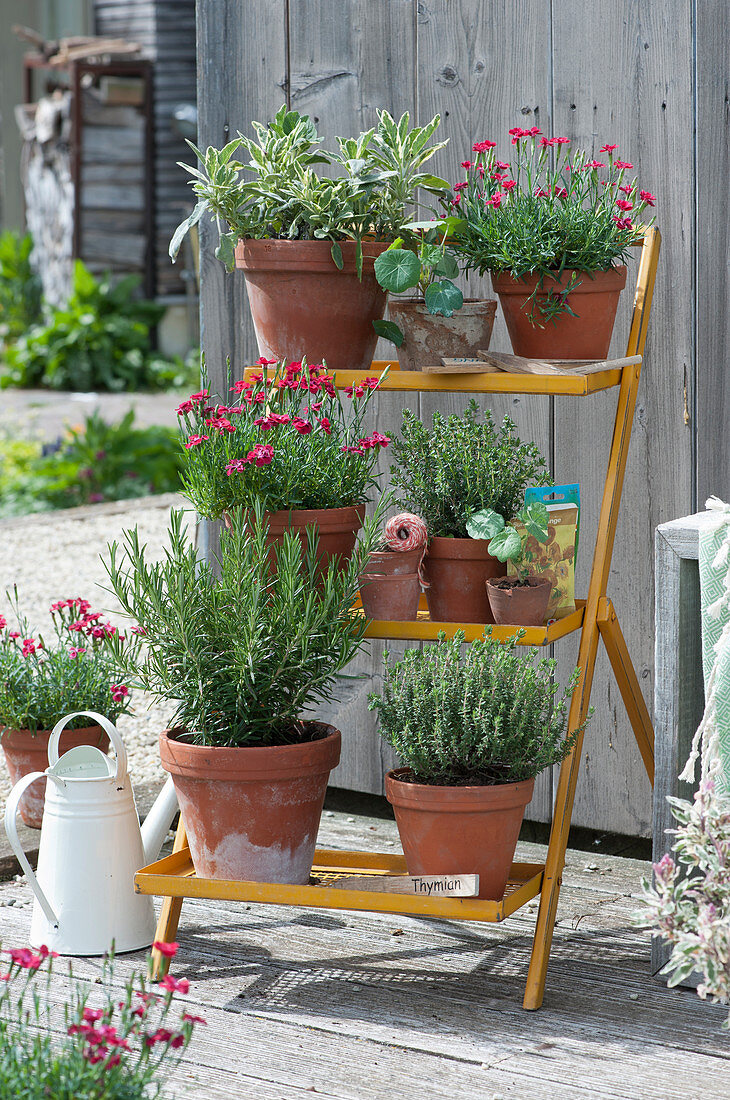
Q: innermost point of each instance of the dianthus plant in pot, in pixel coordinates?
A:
(437, 322)
(307, 243)
(42, 681)
(245, 659)
(522, 599)
(473, 731)
(447, 473)
(291, 441)
(555, 230)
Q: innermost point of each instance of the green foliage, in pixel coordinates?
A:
(20, 287)
(40, 683)
(460, 467)
(245, 655)
(289, 441)
(119, 1050)
(547, 212)
(278, 194)
(488, 717)
(99, 341)
(92, 463)
(506, 542)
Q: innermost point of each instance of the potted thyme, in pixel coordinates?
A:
(555, 232)
(445, 475)
(523, 599)
(246, 662)
(289, 440)
(41, 681)
(438, 322)
(473, 731)
(307, 243)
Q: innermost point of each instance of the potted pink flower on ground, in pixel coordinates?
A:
(291, 441)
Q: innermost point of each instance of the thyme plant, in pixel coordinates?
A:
(40, 682)
(461, 466)
(487, 717)
(547, 212)
(288, 439)
(278, 194)
(245, 654)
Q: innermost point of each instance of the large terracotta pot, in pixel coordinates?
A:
(429, 337)
(517, 604)
(458, 570)
(459, 830)
(302, 304)
(27, 752)
(337, 529)
(394, 598)
(585, 336)
(252, 814)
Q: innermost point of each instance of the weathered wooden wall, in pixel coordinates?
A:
(632, 71)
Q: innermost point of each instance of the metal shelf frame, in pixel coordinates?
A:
(174, 877)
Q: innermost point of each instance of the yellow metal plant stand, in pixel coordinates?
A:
(174, 877)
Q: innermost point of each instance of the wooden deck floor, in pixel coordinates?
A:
(349, 1006)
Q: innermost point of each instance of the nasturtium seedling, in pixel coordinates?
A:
(507, 543)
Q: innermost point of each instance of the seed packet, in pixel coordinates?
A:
(555, 558)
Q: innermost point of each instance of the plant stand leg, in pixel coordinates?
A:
(169, 916)
(628, 684)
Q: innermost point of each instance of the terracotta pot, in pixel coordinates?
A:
(586, 336)
(302, 304)
(519, 604)
(27, 752)
(459, 830)
(252, 814)
(458, 570)
(429, 337)
(391, 563)
(393, 597)
(337, 529)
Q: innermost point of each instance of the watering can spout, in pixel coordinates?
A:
(158, 821)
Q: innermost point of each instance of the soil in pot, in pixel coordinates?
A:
(337, 529)
(252, 814)
(459, 830)
(392, 597)
(27, 752)
(429, 337)
(303, 304)
(585, 336)
(458, 570)
(518, 604)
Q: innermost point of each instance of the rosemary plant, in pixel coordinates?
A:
(460, 467)
(488, 717)
(244, 654)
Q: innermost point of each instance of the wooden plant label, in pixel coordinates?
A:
(427, 886)
(460, 366)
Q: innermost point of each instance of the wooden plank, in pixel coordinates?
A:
(484, 67)
(557, 367)
(343, 67)
(712, 29)
(630, 83)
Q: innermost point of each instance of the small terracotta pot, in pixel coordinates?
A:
(585, 336)
(337, 529)
(27, 752)
(303, 304)
(429, 337)
(393, 597)
(459, 830)
(252, 814)
(392, 563)
(519, 604)
(457, 570)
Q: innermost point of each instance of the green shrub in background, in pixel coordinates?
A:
(99, 341)
(92, 463)
(20, 287)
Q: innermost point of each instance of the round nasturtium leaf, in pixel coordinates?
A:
(397, 269)
(443, 298)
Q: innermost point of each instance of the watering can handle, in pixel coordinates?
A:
(11, 828)
(109, 729)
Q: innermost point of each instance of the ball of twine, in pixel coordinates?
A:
(408, 532)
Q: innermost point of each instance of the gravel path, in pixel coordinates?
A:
(57, 555)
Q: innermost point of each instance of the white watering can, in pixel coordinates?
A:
(91, 846)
